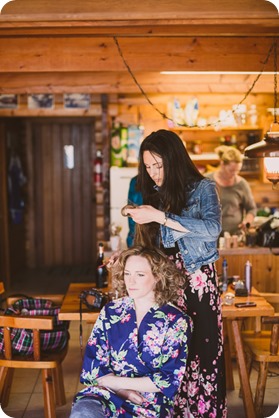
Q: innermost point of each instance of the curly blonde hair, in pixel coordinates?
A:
(169, 277)
(229, 154)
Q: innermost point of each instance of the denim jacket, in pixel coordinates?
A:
(202, 219)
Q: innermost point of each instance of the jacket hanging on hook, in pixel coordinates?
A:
(16, 180)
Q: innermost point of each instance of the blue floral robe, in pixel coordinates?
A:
(158, 349)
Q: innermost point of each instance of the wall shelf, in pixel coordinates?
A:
(209, 139)
(219, 129)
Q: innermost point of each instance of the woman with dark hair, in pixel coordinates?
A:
(136, 355)
(181, 214)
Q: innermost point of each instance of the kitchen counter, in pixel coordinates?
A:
(265, 265)
(248, 250)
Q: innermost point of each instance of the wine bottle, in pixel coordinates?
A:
(101, 270)
(225, 275)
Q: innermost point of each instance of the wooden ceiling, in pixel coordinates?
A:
(106, 46)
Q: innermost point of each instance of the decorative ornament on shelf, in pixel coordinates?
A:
(115, 239)
(268, 148)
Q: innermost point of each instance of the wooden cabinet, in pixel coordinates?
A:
(208, 139)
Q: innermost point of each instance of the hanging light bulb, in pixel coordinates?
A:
(268, 148)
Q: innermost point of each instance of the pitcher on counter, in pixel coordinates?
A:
(181, 214)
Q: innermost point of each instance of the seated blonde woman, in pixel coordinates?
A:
(135, 358)
(238, 204)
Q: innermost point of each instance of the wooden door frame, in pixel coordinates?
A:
(5, 270)
(101, 232)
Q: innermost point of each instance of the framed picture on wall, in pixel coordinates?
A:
(8, 101)
(77, 101)
(40, 101)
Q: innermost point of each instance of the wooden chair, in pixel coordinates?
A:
(262, 347)
(49, 363)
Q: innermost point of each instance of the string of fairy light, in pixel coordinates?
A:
(273, 48)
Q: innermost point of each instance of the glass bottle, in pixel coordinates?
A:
(101, 270)
(225, 275)
(250, 235)
(98, 169)
(248, 276)
(253, 115)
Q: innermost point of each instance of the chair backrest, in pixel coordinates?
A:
(274, 320)
(36, 324)
(272, 298)
(56, 298)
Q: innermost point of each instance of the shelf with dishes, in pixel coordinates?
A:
(202, 142)
(209, 138)
(219, 129)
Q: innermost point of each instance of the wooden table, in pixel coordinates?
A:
(71, 304)
(235, 315)
(70, 312)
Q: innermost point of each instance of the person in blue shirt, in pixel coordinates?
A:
(181, 214)
(136, 355)
(134, 197)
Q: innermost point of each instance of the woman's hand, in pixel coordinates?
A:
(131, 395)
(110, 381)
(137, 384)
(113, 259)
(114, 383)
(145, 214)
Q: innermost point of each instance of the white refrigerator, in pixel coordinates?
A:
(119, 185)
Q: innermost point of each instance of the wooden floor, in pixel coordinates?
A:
(27, 398)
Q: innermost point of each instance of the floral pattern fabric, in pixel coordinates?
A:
(202, 393)
(158, 348)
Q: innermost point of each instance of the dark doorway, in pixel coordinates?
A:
(55, 239)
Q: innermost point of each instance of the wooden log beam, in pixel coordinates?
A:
(83, 53)
(121, 9)
(197, 27)
(122, 82)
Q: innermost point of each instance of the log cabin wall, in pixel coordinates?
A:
(135, 110)
(97, 48)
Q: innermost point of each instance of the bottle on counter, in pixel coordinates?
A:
(197, 147)
(101, 270)
(253, 115)
(250, 235)
(98, 169)
(248, 276)
(224, 275)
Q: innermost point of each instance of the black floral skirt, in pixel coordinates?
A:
(203, 390)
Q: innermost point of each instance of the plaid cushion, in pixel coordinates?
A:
(22, 339)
